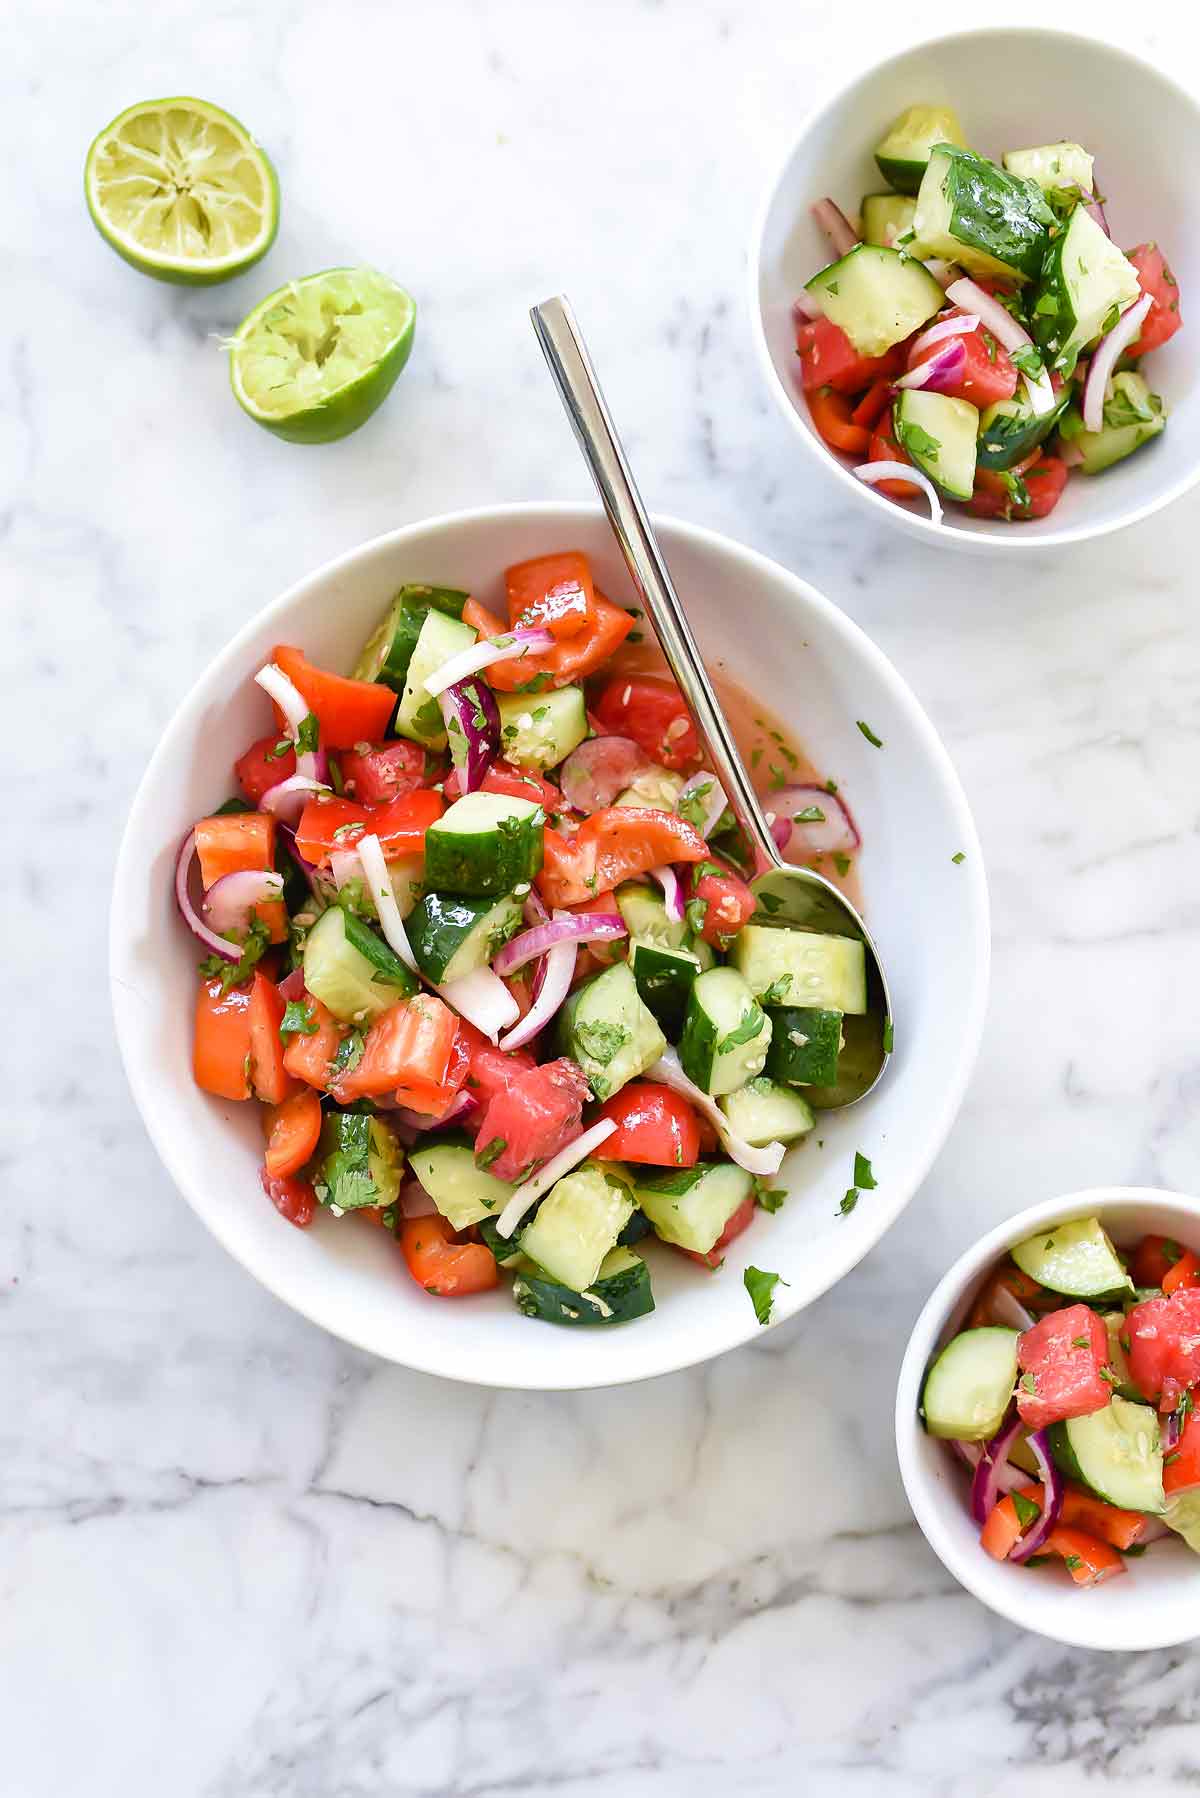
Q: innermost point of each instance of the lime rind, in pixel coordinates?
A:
(181, 191)
(317, 357)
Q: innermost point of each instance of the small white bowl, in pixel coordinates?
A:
(1156, 1603)
(801, 658)
(1010, 88)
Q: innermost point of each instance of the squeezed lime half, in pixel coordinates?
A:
(180, 189)
(317, 357)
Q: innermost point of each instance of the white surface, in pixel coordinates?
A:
(1010, 89)
(240, 1560)
(1156, 1602)
(929, 919)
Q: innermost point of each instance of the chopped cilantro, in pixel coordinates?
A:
(490, 1152)
(309, 734)
(349, 1054)
(770, 1197)
(233, 973)
(849, 1201)
(1028, 1511)
(600, 1041)
(1081, 1342)
(761, 1287)
(869, 734)
(298, 1020)
(776, 993)
(691, 806)
(841, 863)
(863, 1175)
(745, 1031)
(1070, 1562)
(277, 751)
(919, 443)
(831, 786)
(1027, 359)
(812, 814)
(1029, 1382)
(959, 857)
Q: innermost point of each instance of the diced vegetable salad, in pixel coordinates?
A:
(978, 334)
(481, 941)
(1070, 1400)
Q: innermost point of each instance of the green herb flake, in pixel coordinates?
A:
(777, 992)
(919, 443)
(761, 1287)
(490, 1152)
(841, 863)
(349, 1054)
(1027, 359)
(600, 1041)
(812, 814)
(849, 1201)
(770, 1197)
(958, 859)
(1081, 1342)
(695, 912)
(1029, 1382)
(1070, 1562)
(298, 1020)
(889, 1036)
(863, 1176)
(1027, 1509)
(309, 734)
(691, 806)
(278, 750)
(232, 973)
(869, 734)
(745, 1031)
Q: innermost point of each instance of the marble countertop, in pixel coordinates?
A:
(238, 1558)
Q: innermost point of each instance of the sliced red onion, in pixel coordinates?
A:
(836, 226)
(295, 708)
(672, 888)
(344, 865)
(414, 1201)
(473, 725)
(532, 1189)
(871, 473)
(288, 798)
(459, 1109)
(1006, 330)
(323, 887)
(961, 325)
(593, 775)
(229, 901)
(379, 885)
(768, 1160)
(1070, 452)
(1153, 1530)
(1172, 1430)
(1104, 359)
(1008, 1477)
(566, 927)
(291, 987)
(803, 310)
(834, 833)
(781, 831)
(942, 370)
(1053, 1488)
(985, 1487)
(550, 988)
(1093, 205)
(942, 271)
(1004, 1307)
(183, 868)
(708, 790)
(483, 999)
(524, 640)
(534, 908)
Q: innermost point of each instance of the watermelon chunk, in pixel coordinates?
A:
(1164, 1346)
(1061, 1360)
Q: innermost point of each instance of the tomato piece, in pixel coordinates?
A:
(554, 593)
(221, 1041)
(347, 711)
(1153, 1260)
(260, 769)
(1002, 1527)
(739, 1220)
(1123, 1529)
(727, 900)
(439, 1099)
(1011, 1279)
(235, 843)
(1156, 279)
(401, 826)
(406, 1051)
(611, 846)
(1088, 1560)
(293, 1131)
(1186, 1272)
(873, 404)
(1033, 494)
(988, 375)
(375, 773)
(829, 359)
(570, 660)
(1061, 1360)
(655, 1126)
(516, 783)
(885, 447)
(1181, 1468)
(830, 413)
(489, 1069)
(268, 1076)
(652, 713)
(532, 1118)
(329, 823)
(310, 1058)
(292, 1198)
(445, 1267)
(1164, 1346)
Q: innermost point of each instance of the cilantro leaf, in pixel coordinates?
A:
(761, 1287)
(812, 814)
(749, 1027)
(1028, 1511)
(769, 1197)
(869, 734)
(233, 973)
(863, 1177)
(777, 992)
(490, 1152)
(849, 1201)
(692, 807)
(308, 736)
(298, 1019)
(919, 443)
(889, 1036)
(600, 1041)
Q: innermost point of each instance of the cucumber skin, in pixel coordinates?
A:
(388, 650)
(1017, 438)
(981, 1433)
(815, 1062)
(628, 1295)
(452, 858)
(440, 924)
(1067, 1462)
(381, 955)
(664, 982)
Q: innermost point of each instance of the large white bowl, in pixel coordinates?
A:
(1010, 88)
(1156, 1602)
(809, 664)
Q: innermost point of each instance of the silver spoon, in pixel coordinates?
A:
(786, 894)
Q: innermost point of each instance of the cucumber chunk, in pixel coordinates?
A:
(358, 1162)
(1076, 1259)
(972, 212)
(940, 435)
(419, 716)
(645, 916)
(577, 1224)
(538, 730)
(805, 1044)
(486, 843)
(463, 1193)
(903, 151)
(506, 1249)
(664, 978)
(619, 1293)
(1011, 430)
(388, 650)
(691, 1206)
(452, 935)
(802, 967)
(1052, 166)
(970, 1385)
(1183, 1516)
(1086, 284)
(876, 295)
(1132, 416)
(353, 985)
(726, 1033)
(608, 1030)
(658, 788)
(763, 1112)
(1117, 1452)
(885, 217)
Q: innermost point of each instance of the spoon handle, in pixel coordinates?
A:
(565, 351)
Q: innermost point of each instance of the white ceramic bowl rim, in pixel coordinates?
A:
(917, 522)
(228, 668)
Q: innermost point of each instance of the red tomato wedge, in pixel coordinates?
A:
(727, 900)
(347, 711)
(1181, 1468)
(1153, 1260)
(531, 1119)
(310, 1058)
(221, 1041)
(1060, 1360)
(407, 1051)
(829, 359)
(293, 1132)
(376, 773)
(1164, 1346)
(330, 824)
(652, 713)
(570, 660)
(611, 846)
(268, 1075)
(445, 1267)
(235, 843)
(553, 592)
(885, 448)
(260, 769)
(739, 1220)
(292, 1198)
(517, 783)
(1088, 1560)
(1156, 279)
(655, 1126)
(988, 373)
(1043, 488)
(1186, 1272)
(830, 413)
(490, 1070)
